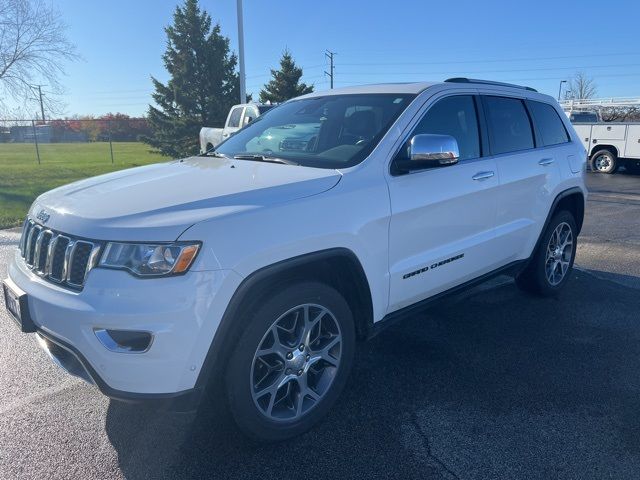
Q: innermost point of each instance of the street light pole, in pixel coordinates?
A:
(243, 93)
(560, 89)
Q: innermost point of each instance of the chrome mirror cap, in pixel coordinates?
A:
(440, 149)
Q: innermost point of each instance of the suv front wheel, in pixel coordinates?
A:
(551, 263)
(291, 361)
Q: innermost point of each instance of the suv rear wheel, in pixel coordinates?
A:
(604, 161)
(552, 261)
(291, 361)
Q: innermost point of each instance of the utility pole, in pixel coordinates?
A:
(243, 93)
(40, 99)
(330, 73)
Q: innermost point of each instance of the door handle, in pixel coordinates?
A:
(545, 161)
(483, 175)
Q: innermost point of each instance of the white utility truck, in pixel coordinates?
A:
(608, 144)
(611, 145)
(239, 116)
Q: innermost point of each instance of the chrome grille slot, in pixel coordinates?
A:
(78, 262)
(42, 250)
(56, 268)
(56, 257)
(28, 224)
(31, 243)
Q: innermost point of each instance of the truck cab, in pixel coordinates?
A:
(238, 117)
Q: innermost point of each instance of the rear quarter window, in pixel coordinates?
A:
(509, 125)
(548, 123)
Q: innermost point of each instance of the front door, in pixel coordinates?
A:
(441, 228)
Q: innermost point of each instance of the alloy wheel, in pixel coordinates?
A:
(296, 362)
(559, 253)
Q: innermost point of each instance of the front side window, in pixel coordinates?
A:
(454, 116)
(509, 125)
(333, 131)
(234, 119)
(548, 123)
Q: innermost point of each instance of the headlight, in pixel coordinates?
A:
(150, 260)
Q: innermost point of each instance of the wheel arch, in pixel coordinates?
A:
(338, 267)
(573, 200)
(598, 148)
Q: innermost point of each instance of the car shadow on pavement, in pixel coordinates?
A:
(497, 384)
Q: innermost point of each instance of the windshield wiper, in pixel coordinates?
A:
(264, 158)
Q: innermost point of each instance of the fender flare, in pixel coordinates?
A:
(554, 205)
(229, 330)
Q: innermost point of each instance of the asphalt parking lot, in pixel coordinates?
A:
(486, 385)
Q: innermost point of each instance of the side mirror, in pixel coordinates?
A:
(247, 120)
(429, 151)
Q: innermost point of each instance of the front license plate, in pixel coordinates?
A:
(17, 306)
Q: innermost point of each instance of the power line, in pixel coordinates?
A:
(495, 60)
(511, 70)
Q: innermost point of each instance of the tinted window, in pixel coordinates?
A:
(234, 120)
(548, 123)
(455, 116)
(509, 125)
(583, 118)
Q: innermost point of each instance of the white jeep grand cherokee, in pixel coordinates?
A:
(257, 267)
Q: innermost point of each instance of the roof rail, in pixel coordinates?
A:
(487, 82)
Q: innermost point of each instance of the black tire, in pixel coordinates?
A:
(253, 422)
(604, 161)
(533, 278)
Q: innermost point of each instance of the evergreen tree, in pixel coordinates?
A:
(285, 83)
(203, 83)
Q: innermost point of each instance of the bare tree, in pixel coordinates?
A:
(33, 49)
(581, 87)
(620, 114)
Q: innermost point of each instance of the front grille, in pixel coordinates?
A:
(57, 257)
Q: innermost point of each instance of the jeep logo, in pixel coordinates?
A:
(43, 216)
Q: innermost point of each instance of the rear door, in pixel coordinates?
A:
(442, 220)
(529, 170)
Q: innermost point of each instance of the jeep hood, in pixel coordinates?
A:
(159, 202)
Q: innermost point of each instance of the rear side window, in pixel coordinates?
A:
(234, 119)
(455, 116)
(509, 125)
(548, 123)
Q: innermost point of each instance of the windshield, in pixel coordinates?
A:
(334, 131)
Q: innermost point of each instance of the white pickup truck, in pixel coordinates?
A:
(239, 116)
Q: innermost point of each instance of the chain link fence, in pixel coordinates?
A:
(108, 139)
(36, 156)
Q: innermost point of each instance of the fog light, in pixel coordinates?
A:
(124, 341)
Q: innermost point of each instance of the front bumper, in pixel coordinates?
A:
(182, 313)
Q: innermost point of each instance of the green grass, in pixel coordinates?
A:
(22, 179)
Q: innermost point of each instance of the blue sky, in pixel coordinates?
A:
(534, 43)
